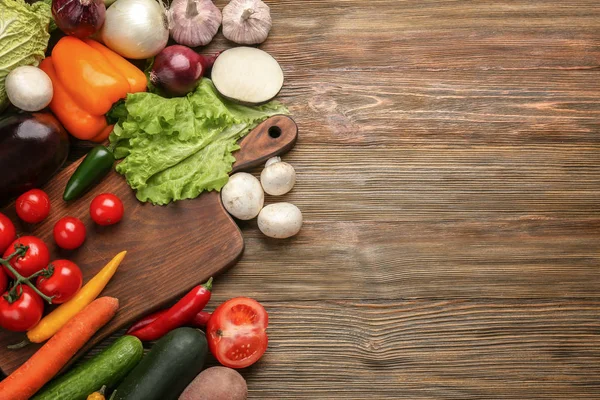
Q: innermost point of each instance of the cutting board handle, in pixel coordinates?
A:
(275, 136)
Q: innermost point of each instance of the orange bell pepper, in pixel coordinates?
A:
(103, 135)
(88, 76)
(76, 120)
(88, 79)
(135, 76)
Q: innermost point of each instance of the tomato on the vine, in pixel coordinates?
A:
(236, 332)
(65, 281)
(33, 206)
(106, 209)
(3, 281)
(36, 258)
(7, 232)
(69, 233)
(23, 312)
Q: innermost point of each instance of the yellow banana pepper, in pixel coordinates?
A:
(52, 322)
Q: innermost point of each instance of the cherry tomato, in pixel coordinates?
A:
(236, 332)
(22, 314)
(7, 232)
(69, 233)
(33, 206)
(36, 258)
(64, 282)
(3, 281)
(106, 209)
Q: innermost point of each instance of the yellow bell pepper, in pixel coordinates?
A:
(99, 395)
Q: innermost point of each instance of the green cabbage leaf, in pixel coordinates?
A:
(23, 37)
(174, 149)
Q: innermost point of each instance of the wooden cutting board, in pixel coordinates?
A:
(170, 249)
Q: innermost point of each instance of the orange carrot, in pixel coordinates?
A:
(56, 353)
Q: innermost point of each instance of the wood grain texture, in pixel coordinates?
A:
(170, 249)
(427, 349)
(449, 177)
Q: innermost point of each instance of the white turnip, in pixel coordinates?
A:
(247, 75)
(29, 88)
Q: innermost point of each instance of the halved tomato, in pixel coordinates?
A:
(236, 332)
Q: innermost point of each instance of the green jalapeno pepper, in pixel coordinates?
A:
(92, 169)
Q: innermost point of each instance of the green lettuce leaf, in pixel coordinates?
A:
(174, 149)
(23, 37)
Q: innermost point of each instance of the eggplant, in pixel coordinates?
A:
(33, 147)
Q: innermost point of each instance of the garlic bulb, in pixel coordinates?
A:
(194, 22)
(246, 21)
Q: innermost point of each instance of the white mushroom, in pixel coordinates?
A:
(243, 196)
(29, 88)
(246, 21)
(278, 177)
(280, 220)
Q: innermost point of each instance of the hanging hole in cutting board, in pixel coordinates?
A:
(274, 132)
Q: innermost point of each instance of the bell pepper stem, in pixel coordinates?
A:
(20, 279)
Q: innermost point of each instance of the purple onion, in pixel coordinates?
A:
(80, 18)
(178, 69)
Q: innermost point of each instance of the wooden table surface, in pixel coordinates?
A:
(449, 176)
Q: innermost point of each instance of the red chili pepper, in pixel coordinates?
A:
(147, 320)
(178, 315)
(199, 321)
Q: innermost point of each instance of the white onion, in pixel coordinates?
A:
(135, 29)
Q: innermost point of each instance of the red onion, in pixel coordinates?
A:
(178, 69)
(80, 18)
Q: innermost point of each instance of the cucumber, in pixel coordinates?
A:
(107, 368)
(171, 364)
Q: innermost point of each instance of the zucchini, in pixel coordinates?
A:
(171, 364)
(107, 368)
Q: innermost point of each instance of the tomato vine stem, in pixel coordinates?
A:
(12, 295)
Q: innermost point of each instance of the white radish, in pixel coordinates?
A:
(278, 177)
(243, 196)
(29, 88)
(280, 220)
(247, 75)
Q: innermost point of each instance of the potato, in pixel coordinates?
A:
(216, 383)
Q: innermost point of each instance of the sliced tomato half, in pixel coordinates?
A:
(236, 332)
